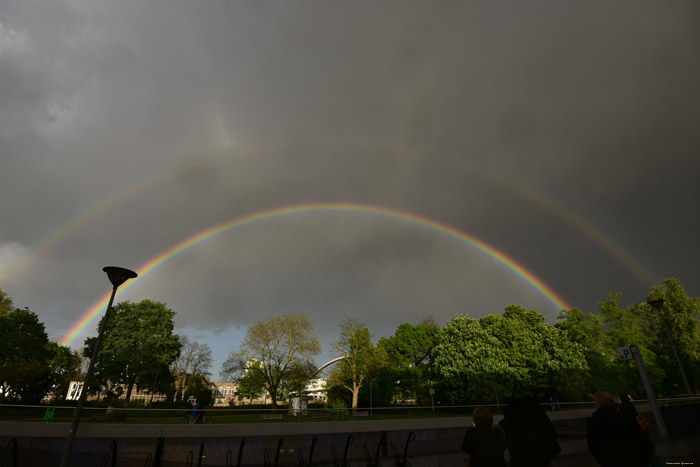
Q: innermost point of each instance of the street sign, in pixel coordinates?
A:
(625, 353)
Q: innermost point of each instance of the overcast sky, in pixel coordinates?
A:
(565, 135)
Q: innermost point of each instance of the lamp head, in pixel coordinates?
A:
(117, 276)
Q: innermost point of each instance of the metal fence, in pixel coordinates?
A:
(338, 450)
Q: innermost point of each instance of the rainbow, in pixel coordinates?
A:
(643, 275)
(23, 261)
(208, 233)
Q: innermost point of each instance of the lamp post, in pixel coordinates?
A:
(117, 276)
(657, 305)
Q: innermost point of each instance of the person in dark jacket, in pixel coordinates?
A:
(613, 438)
(531, 437)
(484, 443)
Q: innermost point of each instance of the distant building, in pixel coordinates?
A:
(316, 389)
(222, 393)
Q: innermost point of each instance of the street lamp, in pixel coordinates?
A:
(117, 276)
(657, 305)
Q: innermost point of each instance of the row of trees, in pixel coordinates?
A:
(139, 351)
(467, 360)
(474, 360)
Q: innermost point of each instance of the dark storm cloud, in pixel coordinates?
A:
(455, 112)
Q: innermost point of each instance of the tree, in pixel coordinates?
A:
(670, 316)
(468, 363)
(540, 358)
(25, 372)
(586, 329)
(624, 327)
(516, 354)
(362, 358)
(252, 384)
(138, 341)
(297, 379)
(195, 359)
(65, 367)
(409, 356)
(278, 344)
(197, 388)
(6, 305)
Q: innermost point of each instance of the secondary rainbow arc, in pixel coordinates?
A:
(23, 261)
(210, 232)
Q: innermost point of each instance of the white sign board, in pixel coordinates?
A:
(625, 353)
(74, 390)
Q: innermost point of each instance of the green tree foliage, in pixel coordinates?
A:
(25, 371)
(65, 367)
(624, 327)
(468, 363)
(297, 378)
(197, 388)
(586, 329)
(138, 345)
(6, 305)
(516, 354)
(409, 356)
(251, 384)
(362, 358)
(280, 344)
(669, 315)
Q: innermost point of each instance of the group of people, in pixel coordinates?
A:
(530, 437)
(617, 435)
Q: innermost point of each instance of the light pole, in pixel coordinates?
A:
(117, 276)
(657, 305)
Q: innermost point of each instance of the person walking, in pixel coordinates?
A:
(484, 443)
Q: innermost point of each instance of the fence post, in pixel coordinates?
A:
(314, 442)
(114, 453)
(158, 456)
(201, 454)
(14, 452)
(351, 438)
(240, 452)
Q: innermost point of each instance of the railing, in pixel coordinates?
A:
(215, 415)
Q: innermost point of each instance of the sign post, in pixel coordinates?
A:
(632, 352)
(432, 403)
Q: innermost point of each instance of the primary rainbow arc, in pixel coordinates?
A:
(202, 236)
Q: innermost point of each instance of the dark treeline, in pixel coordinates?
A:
(468, 360)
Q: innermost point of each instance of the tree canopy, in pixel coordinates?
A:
(362, 358)
(515, 354)
(281, 345)
(671, 318)
(409, 357)
(138, 344)
(25, 370)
